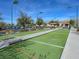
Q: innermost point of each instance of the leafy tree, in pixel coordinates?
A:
(72, 22)
(9, 26)
(2, 25)
(55, 23)
(51, 21)
(39, 21)
(1, 17)
(24, 20)
(15, 1)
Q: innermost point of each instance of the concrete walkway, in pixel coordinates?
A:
(6, 43)
(71, 50)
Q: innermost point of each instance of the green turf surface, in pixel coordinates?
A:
(19, 34)
(33, 50)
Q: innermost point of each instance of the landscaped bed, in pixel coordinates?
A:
(48, 46)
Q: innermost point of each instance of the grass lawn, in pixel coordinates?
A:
(46, 46)
(19, 34)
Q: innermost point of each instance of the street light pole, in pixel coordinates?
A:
(12, 15)
(77, 16)
(76, 11)
(39, 14)
(14, 2)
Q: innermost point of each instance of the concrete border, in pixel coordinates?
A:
(6, 43)
(71, 50)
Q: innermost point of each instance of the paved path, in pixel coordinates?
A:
(6, 43)
(71, 50)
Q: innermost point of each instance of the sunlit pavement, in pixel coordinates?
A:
(71, 50)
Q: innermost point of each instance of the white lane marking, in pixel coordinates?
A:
(47, 44)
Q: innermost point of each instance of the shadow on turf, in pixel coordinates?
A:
(18, 45)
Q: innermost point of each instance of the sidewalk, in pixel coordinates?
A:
(6, 43)
(71, 50)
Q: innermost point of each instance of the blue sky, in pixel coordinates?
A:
(52, 9)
